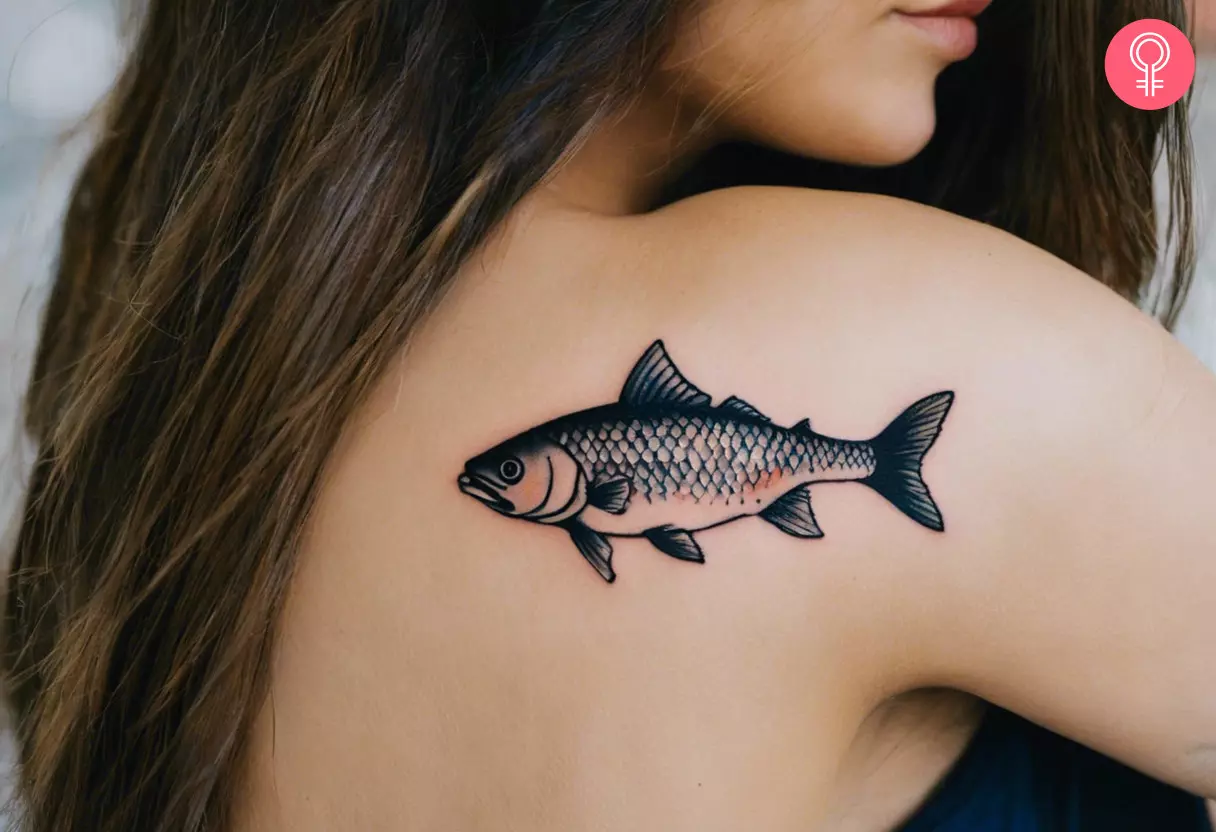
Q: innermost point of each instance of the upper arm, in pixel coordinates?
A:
(1076, 579)
(1091, 604)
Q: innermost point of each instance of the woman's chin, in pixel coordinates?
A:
(881, 134)
(897, 153)
(892, 144)
(896, 137)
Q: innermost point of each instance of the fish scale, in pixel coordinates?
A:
(704, 455)
(663, 462)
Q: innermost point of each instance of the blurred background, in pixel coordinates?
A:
(57, 58)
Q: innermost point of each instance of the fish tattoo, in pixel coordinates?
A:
(663, 462)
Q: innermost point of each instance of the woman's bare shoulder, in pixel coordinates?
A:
(815, 239)
(860, 296)
(1074, 473)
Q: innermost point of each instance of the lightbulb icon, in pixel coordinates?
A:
(1150, 83)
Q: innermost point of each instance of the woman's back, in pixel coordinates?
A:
(444, 666)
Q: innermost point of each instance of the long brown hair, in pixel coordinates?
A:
(281, 192)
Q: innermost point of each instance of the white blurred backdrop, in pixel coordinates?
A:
(56, 59)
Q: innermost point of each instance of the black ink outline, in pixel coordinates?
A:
(657, 392)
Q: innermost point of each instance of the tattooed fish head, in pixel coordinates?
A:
(528, 477)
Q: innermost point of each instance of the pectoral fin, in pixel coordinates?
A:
(594, 547)
(611, 495)
(792, 513)
(675, 542)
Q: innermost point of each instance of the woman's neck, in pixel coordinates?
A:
(624, 163)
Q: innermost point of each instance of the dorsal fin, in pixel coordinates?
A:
(803, 427)
(656, 380)
(739, 406)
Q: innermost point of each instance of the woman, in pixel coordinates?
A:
(305, 548)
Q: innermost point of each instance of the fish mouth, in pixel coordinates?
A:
(479, 489)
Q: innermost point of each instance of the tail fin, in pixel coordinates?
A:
(898, 453)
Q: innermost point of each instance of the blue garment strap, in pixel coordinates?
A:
(1018, 777)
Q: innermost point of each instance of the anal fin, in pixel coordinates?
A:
(677, 543)
(791, 513)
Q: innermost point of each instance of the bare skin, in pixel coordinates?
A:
(486, 679)
(440, 666)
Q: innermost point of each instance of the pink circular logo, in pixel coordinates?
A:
(1150, 64)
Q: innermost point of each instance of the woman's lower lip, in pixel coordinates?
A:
(956, 37)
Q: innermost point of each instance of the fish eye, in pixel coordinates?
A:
(511, 470)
